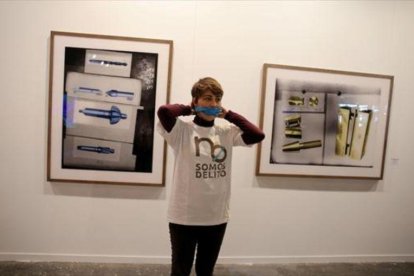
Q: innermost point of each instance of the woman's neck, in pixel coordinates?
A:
(201, 122)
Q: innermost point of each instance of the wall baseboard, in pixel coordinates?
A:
(315, 259)
(89, 258)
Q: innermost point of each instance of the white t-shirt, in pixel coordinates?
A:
(200, 192)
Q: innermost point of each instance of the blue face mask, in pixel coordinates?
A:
(212, 111)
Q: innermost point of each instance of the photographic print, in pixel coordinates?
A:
(103, 95)
(323, 123)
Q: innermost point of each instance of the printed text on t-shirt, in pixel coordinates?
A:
(218, 155)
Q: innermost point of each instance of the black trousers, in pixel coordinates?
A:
(185, 239)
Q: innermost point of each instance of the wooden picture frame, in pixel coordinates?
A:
(103, 95)
(323, 123)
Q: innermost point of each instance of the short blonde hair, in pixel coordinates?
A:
(206, 84)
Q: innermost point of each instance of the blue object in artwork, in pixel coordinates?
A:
(82, 89)
(104, 150)
(114, 115)
(108, 62)
(117, 93)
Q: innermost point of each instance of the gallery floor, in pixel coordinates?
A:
(100, 269)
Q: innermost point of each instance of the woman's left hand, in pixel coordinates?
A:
(223, 112)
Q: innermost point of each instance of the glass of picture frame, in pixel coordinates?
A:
(323, 123)
(103, 95)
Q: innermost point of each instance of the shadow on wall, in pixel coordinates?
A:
(104, 191)
(320, 184)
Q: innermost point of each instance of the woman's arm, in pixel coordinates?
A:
(168, 114)
(251, 133)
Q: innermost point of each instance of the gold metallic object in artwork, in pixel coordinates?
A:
(296, 146)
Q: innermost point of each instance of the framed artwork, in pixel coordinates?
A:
(323, 123)
(103, 95)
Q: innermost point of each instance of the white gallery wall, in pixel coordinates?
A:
(274, 219)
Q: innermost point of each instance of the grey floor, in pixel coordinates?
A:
(87, 269)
